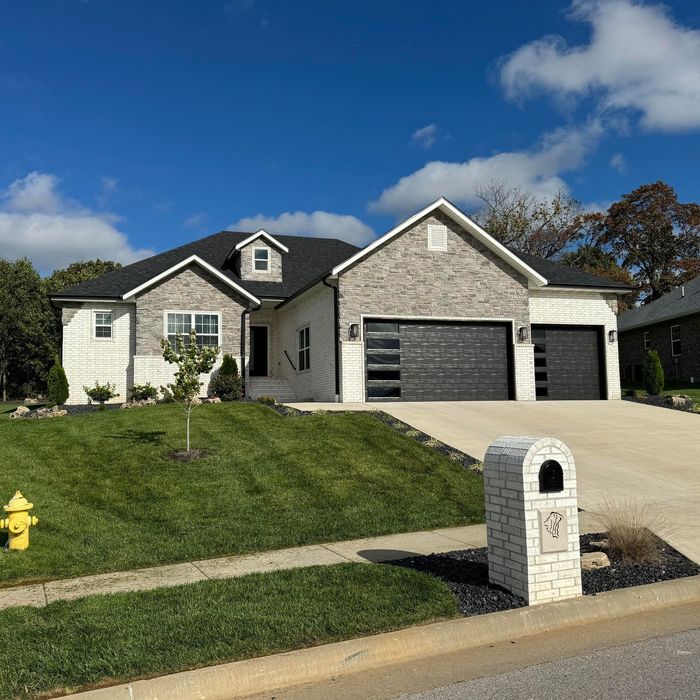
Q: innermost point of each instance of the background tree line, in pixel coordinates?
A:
(647, 239)
(30, 327)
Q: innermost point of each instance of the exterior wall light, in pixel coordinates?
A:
(354, 331)
(612, 336)
(523, 334)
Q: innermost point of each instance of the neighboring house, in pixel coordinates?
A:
(671, 326)
(436, 309)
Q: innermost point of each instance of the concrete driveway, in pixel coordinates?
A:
(621, 448)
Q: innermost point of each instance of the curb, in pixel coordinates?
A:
(242, 678)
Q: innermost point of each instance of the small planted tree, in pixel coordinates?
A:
(653, 373)
(57, 385)
(191, 361)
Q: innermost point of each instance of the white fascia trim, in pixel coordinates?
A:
(262, 234)
(94, 300)
(591, 290)
(463, 220)
(202, 263)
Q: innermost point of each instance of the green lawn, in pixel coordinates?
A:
(692, 390)
(107, 639)
(109, 499)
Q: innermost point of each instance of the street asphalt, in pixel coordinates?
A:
(666, 667)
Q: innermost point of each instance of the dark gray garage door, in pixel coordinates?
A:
(420, 361)
(568, 362)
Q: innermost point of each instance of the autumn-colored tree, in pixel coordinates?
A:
(545, 227)
(596, 261)
(655, 237)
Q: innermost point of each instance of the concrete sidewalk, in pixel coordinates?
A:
(368, 550)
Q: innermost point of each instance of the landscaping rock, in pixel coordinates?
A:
(30, 401)
(139, 403)
(212, 399)
(53, 412)
(594, 560)
(20, 412)
(680, 401)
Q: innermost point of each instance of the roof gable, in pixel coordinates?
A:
(466, 223)
(264, 235)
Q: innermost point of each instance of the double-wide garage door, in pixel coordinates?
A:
(422, 361)
(439, 361)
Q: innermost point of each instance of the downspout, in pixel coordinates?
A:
(336, 323)
(244, 365)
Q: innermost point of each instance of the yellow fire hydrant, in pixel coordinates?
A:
(18, 521)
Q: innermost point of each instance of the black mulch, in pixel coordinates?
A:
(658, 401)
(89, 408)
(465, 572)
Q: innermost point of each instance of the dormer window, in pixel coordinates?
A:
(261, 259)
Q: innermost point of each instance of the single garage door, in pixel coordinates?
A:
(424, 361)
(569, 362)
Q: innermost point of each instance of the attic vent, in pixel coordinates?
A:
(437, 237)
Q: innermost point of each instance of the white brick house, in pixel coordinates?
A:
(436, 309)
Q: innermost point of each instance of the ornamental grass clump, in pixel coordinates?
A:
(632, 526)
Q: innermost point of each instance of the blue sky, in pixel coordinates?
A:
(131, 127)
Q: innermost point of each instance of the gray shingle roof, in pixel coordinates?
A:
(308, 260)
(672, 305)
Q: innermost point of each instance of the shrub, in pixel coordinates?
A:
(631, 392)
(267, 400)
(57, 385)
(229, 367)
(631, 524)
(653, 373)
(167, 395)
(101, 392)
(141, 392)
(228, 387)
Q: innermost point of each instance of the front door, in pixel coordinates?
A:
(258, 351)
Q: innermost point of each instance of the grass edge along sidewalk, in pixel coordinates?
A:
(102, 640)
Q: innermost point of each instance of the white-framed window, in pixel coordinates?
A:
(437, 237)
(103, 324)
(647, 342)
(207, 325)
(261, 259)
(304, 349)
(675, 341)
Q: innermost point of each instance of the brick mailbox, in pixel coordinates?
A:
(532, 518)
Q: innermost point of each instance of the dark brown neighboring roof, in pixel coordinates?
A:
(682, 301)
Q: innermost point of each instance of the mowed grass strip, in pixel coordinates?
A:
(109, 639)
(109, 499)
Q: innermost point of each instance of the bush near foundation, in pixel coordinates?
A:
(227, 387)
(57, 385)
(101, 393)
(141, 392)
(653, 373)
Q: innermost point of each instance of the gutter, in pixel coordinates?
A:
(336, 333)
(244, 374)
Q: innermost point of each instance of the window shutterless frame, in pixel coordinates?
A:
(304, 349)
(102, 325)
(207, 325)
(261, 259)
(675, 341)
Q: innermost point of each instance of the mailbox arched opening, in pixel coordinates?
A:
(551, 477)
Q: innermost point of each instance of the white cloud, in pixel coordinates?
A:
(638, 59)
(319, 224)
(37, 222)
(537, 171)
(617, 162)
(425, 136)
(195, 221)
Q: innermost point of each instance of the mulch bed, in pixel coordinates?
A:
(185, 456)
(659, 401)
(465, 572)
(82, 409)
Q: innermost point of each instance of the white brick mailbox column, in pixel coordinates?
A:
(532, 518)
